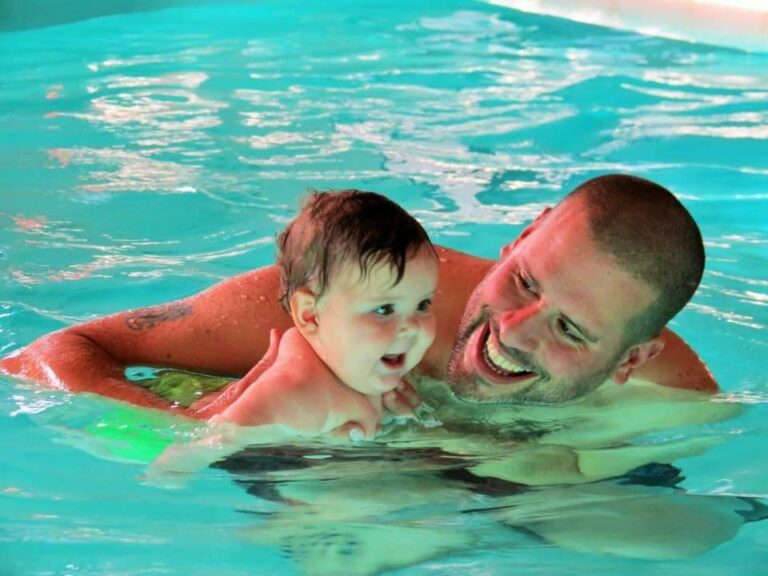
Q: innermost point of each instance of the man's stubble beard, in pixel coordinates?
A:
(466, 386)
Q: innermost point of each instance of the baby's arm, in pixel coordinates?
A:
(264, 413)
(222, 438)
(300, 392)
(172, 468)
(309, 407)
(278, 397)
(296, 396)
(213, 404)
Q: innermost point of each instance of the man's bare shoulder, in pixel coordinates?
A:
(452, 261)
(678, 366)
(261, 282)
(460, 274)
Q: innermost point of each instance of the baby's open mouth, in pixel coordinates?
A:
(393, 360)
(500, 363)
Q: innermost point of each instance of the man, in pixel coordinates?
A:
(579, 298)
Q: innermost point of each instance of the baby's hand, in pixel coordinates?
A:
(401, 401)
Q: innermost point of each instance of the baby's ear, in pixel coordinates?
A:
(304, 311)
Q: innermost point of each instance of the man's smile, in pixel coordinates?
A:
(499, 363)
(492, 364)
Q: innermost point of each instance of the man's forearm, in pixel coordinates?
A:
(67, 360)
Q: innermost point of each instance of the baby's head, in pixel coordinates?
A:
(359, 274)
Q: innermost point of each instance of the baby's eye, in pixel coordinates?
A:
(424, 305)
(384, 310)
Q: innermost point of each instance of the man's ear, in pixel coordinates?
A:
(634, 357)
(507, 248)
(304, 311)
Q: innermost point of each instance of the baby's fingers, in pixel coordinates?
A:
(401, 401)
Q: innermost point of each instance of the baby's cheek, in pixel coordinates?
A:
(375, 330)
(428, 329)
(361, 328)
(432, 330)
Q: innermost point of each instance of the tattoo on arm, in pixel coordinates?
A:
(148, 318)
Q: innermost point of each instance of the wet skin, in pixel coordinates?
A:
(546, 324)
(371, 330)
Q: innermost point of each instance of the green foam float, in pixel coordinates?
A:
(137, 434)
(182, 388)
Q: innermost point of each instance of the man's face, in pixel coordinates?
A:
(547, 322)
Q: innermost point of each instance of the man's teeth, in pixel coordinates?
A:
(500, 363)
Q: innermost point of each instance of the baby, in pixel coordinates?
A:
(359, 274)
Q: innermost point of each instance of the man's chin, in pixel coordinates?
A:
(477, 391)
(467, 386)
(473, 376)
(541, 391)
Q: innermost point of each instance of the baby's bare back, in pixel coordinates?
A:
(299, 391)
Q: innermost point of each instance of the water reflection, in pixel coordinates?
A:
(322, 519)
(534, 477)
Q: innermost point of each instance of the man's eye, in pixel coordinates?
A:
(424, 305)
(527, 285)
(384, 310)
(569, 332)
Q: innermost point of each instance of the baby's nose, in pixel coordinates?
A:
(409, 325)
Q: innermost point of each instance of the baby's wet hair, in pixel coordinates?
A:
(345, 226)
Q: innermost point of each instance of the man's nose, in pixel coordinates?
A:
(521, 328)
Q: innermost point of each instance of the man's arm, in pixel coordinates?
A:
(677, 366)
(223, 330)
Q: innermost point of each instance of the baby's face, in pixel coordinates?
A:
(371, 332)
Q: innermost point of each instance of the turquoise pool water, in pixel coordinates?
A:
(144, 156)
